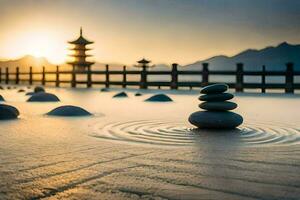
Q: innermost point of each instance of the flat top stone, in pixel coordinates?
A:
(69, 111)
(216, 97)
(218, 105)
(43, 97)
(214, 89)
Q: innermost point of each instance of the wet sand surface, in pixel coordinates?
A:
(131, 149)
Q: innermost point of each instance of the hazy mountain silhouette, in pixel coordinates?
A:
(25, 62)
(274, 58)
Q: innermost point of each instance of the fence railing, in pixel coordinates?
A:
(289, 86)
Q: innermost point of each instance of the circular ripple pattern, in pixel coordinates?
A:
(177, 134)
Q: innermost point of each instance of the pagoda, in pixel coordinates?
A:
(143, 64)
(79, 55)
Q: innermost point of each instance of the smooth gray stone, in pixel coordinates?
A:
(121, 94)
(69, 111)
(39, 89)
(8, 112)
(218, 105)
(215, 120)
(43, 97)
(159, 98)
(1, 98)
(214, 89)
(216, 97)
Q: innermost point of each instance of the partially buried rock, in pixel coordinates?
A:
(8, 112)
(69, 111)
(218, 106)
(21, 90)
(1, 98)
(138, 94)
(43, 97)
(104, 89)
(215, 120)
(159, 98)
(216, 97)
(38, 89)
(1, 88)
(214, 89)
(121, 94)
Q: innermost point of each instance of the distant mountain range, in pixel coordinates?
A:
(274, 58)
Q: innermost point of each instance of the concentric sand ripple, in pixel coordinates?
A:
(177, 134)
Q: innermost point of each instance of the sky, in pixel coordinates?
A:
(164, 31)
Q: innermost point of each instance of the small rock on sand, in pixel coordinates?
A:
(69, 111)
(159, 98)
(121, 94)
(138, 94)
(104, 90)
(1, 98)
(21, 90)
(8, 112)
(39, 89)
(43, 97)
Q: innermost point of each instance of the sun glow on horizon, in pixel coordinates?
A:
(39, 44)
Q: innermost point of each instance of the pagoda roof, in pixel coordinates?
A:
(80, 49)
(144, 61)
(81, 40)
(81, 63)
(78, 55)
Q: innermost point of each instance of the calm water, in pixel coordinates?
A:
(131, 149)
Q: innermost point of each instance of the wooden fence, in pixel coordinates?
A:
(289, 74)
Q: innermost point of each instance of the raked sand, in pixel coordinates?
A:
(131, 149)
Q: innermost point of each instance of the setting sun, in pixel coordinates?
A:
(39, 44)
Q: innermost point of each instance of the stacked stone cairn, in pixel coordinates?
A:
(217, 114)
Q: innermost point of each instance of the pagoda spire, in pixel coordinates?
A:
(81, 31)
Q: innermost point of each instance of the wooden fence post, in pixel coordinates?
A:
(0, 75)
(263, 79)
(30, 76)
(73, 82)
(7, 76)
(124, 77)
(239, 77)
(205, 74)
(143, 84)
(17, 75)
(57, 76)
(89, 77)
(289, 78)
(43, 76)
(174, 77)
(107, 76)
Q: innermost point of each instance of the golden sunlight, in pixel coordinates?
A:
(41, 44)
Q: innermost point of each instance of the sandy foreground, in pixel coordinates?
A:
(131, 149)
